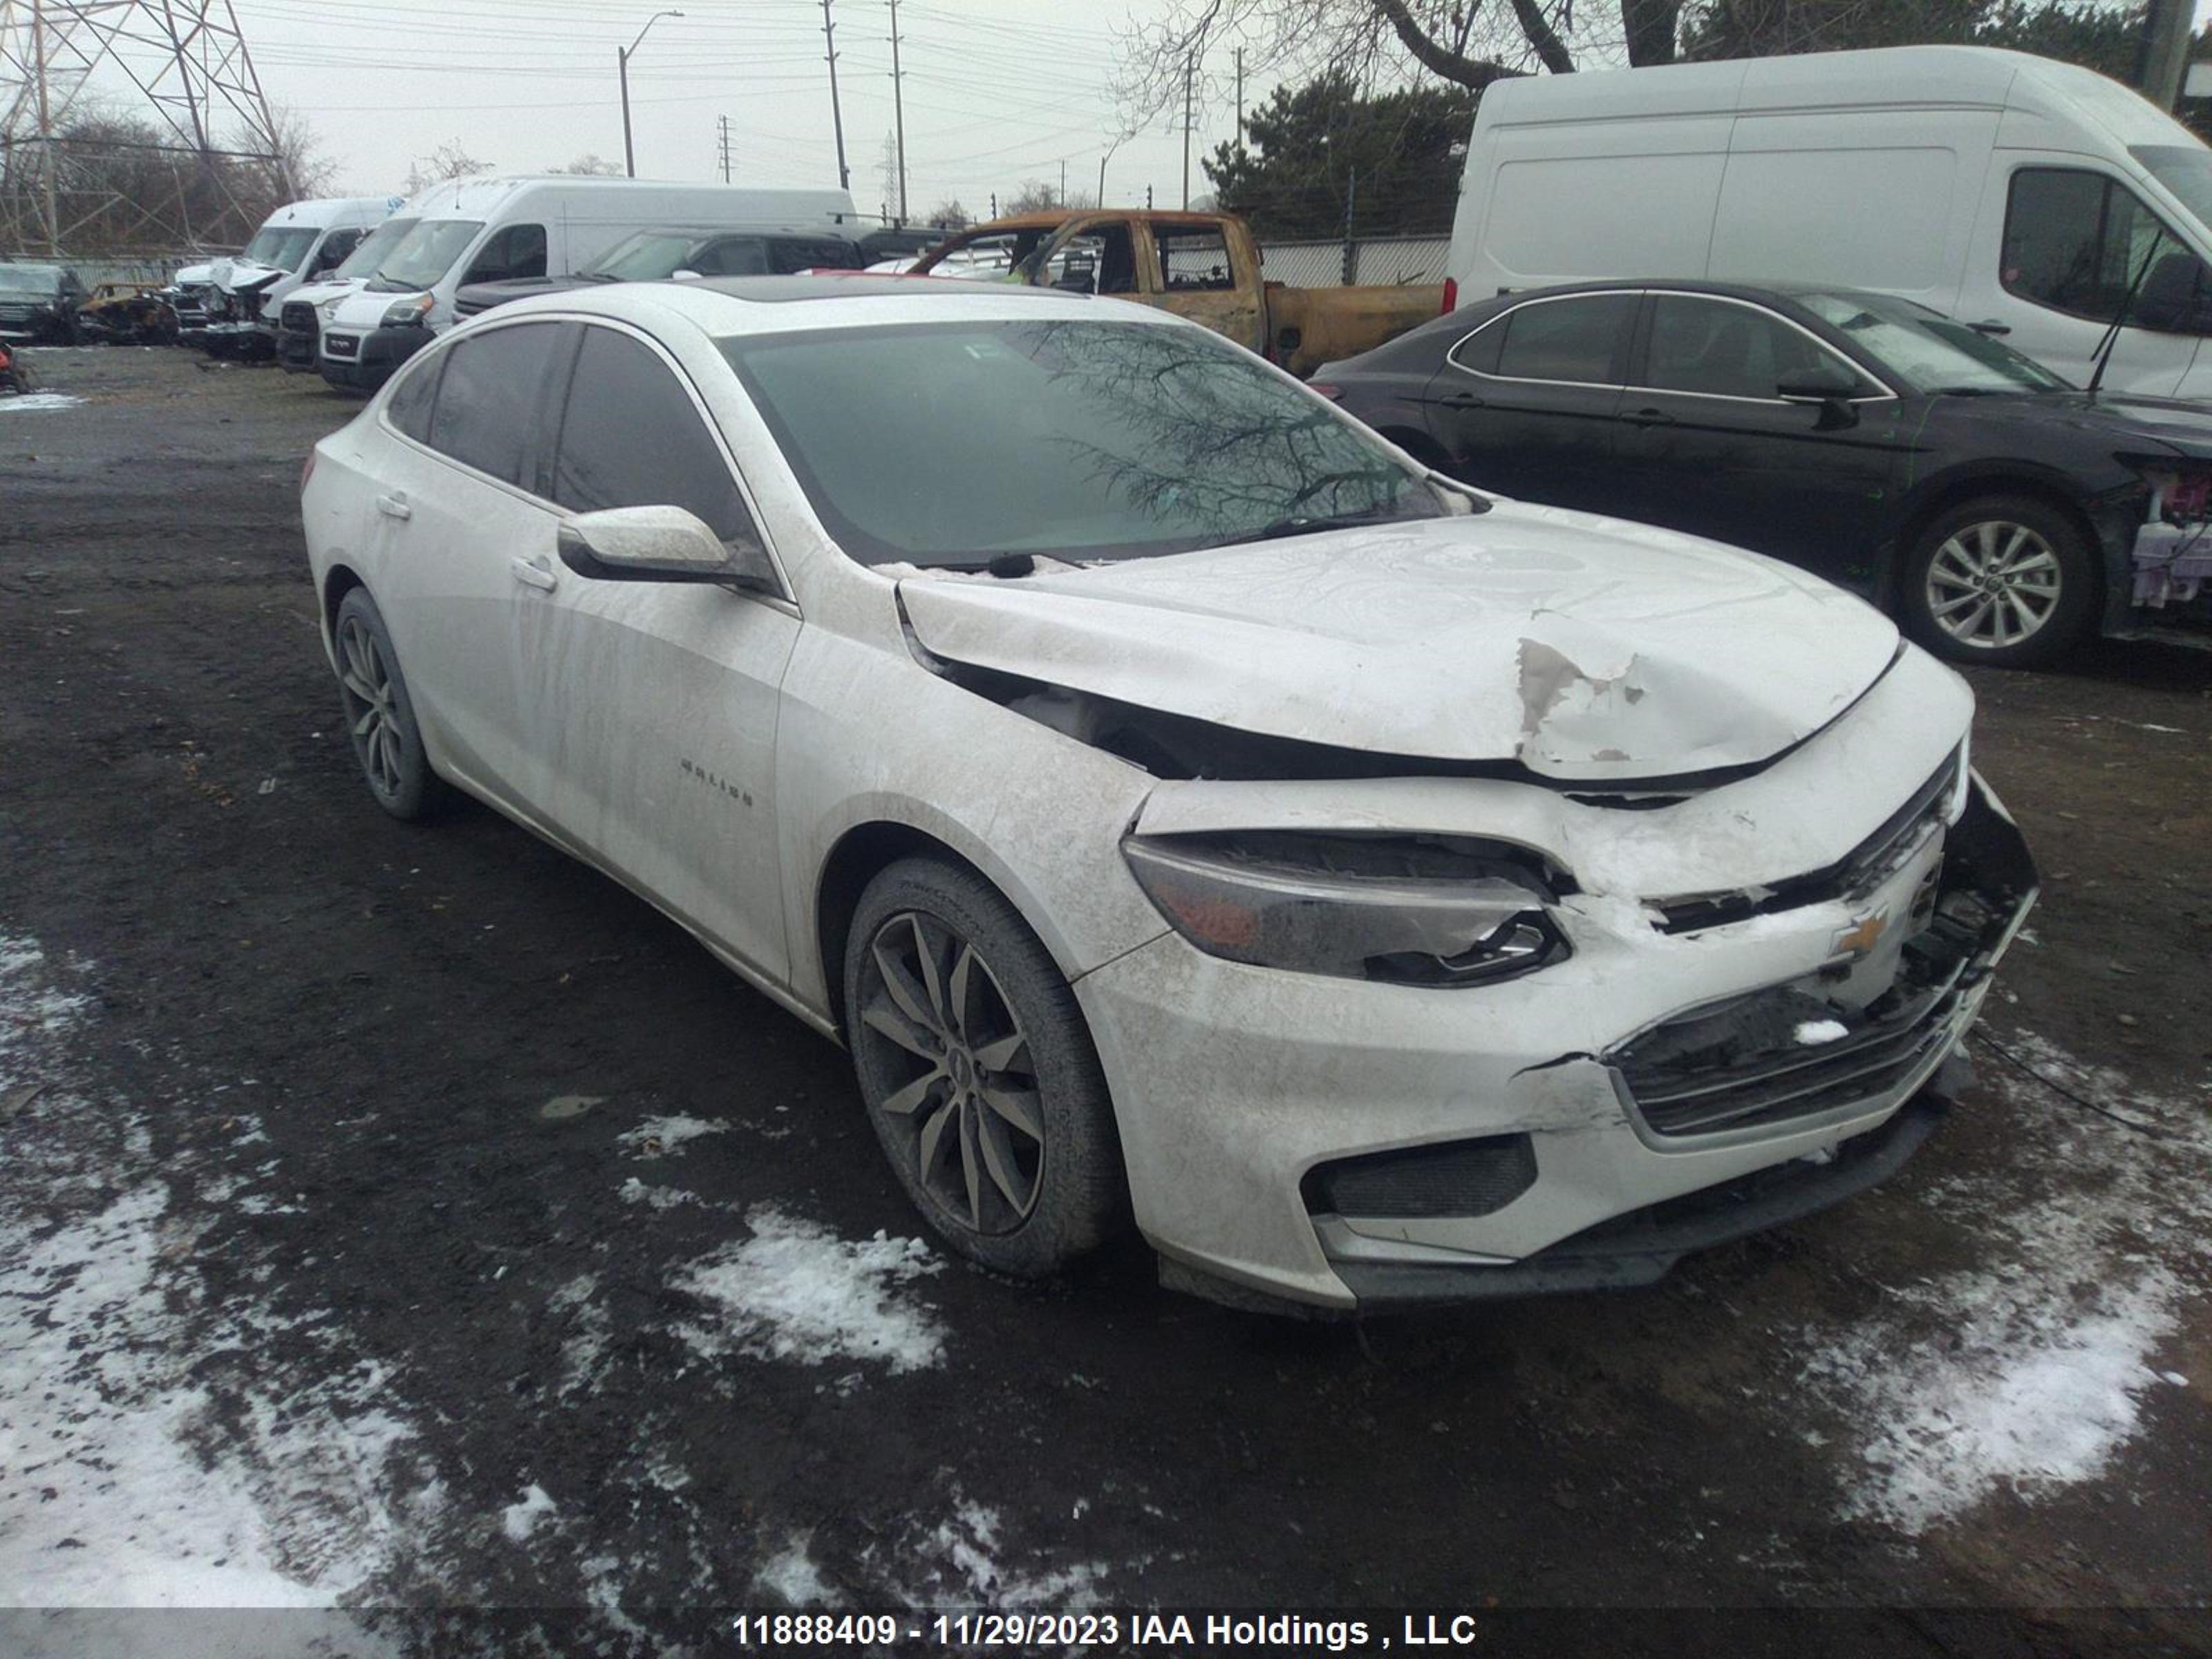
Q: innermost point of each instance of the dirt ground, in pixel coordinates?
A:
(396, 1218)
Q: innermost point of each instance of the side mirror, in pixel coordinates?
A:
(1816, 386)
(659, 545)
(686, 275)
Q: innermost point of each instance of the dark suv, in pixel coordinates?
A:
(39, 302)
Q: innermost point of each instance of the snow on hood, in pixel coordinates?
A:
(1586, 649)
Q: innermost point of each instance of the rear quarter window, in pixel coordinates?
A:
(490, 392)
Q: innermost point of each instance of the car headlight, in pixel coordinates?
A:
(409, 312)
(1402, 910)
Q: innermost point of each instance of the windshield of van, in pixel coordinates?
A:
(1926, 349)
(424, 255)
(282, 245)
(946, 443)
(2184, 169)
(30, 279)
(364, 259)
(645, 257)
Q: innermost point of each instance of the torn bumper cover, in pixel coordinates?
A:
(1444, 1161)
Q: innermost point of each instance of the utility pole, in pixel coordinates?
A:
(1240, 98)
(725, 121)
(1148, 199)
(898, 109)
(623, 55)
(995, 205)
(1189, 78)
(1063, 181)
(1351, 248)
(836, 115)
(2165, 53)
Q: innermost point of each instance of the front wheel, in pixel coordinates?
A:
(978, 1071)
(2005, 581)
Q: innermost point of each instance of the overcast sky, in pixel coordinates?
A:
(997, 91)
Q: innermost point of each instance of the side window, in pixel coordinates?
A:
(409, 406)
(2076, 241)
(488, 398)
(733, 256)
(1582, 339)
(1726, 351)
(632, 437)
(1192, 260)
(788, 255)
(518, 251)
(335, 247)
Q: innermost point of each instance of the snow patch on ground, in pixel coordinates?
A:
(519, 1519)
(2029, 1371)
(584, 1349)
(659, 1136)
(967, 1566)
(136, 1471)
(633, 1191)
(795, 1291)
(791, 1576)
(37, 403)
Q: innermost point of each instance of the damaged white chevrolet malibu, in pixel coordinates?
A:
(1186, 807)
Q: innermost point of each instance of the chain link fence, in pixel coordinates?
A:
(1389, 260)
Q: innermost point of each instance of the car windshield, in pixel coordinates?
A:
(645, 257)
(1927, 349)
(2184, 169)
(282, 245)
(364, 259)
(424, 255)
(948, 443)
(29, 279)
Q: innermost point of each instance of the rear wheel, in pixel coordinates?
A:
(978, 1071)
(380, 715)
(2006, 581)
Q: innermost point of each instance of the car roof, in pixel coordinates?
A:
(723, 306)
(1727, 290)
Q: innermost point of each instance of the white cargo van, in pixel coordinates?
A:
(2032, 199)
(298, 242)
(490, 230)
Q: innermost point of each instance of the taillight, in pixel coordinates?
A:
(1334, 394)
(306, 472)
(1451, 296)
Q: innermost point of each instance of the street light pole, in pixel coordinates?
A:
(622, 69)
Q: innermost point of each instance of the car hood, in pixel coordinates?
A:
(232, 275)
(483, 296)
(2107, 416)
(1582, 648)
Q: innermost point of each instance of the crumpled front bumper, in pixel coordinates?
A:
(1259, 1109)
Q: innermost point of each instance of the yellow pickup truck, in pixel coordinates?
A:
(1204, 266)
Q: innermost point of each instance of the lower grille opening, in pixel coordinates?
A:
(1451, 1178)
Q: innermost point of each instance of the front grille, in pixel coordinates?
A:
(1455, 1178)
(1751, 1062)
(299, 317)
(1859, 872)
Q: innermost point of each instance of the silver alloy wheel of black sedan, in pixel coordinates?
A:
(967, 1111)
(1994, 584)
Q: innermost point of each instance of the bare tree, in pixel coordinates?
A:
(590, 165)
(1472, 43)
(1033, 195)
(448, 161)
(949, 215)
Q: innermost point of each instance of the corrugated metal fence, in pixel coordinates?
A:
(1384, 259)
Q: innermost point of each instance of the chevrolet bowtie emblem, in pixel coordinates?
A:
(1858, 940)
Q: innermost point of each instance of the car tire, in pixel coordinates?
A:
(978, 1074)
(1980, 570)
(381, 714)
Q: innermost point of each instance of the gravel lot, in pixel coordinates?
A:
(410, 1220)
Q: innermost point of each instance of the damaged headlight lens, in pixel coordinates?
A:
(1401, 911)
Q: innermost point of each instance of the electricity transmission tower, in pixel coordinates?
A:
(141, 121)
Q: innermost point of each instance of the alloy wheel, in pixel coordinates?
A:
(1993, 584)
(372, 709)
(964, 1106)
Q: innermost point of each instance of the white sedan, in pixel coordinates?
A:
(1188, 809)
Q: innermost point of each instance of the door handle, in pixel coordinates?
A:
(1648, 417)
(1990, 326)
(531, 573)
(394, 506)
(1460, 400)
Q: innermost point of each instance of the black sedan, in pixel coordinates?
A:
(650, 256)
(39, 302)
(2001, 513)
